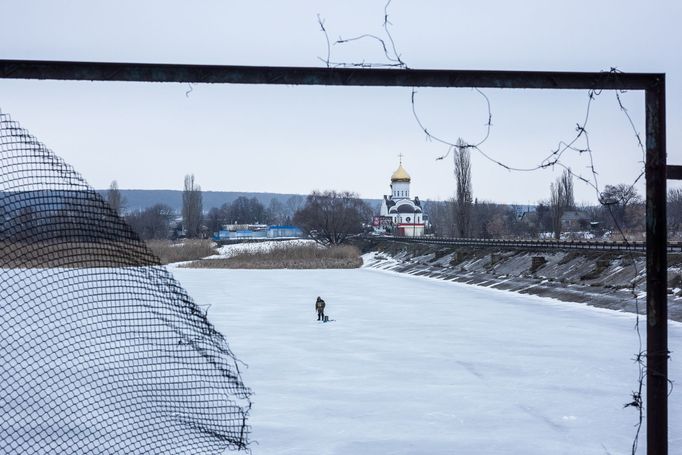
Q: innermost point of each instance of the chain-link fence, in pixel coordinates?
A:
(101, 349)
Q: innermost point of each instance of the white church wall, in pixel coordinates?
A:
(401, 190)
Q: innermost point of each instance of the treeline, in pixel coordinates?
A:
(620, 209)
(490, 220)
(245, 210)
(136, 200)
(328, 217)
(160, 221)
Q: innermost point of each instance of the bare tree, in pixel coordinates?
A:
(566, 180)
(294, 204)
(463, 196)
(543, 216)
(245, 211)
(555, 206)
(491, 220)
(674, 209)
(498, 226)
(619, 201)
(114, 198)
(191, 207)
(330, 217)
(277, 212)
(151, 223)
(561, 199)
(441, 217)
(214, 219)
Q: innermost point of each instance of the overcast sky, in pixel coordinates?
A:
(297, 139)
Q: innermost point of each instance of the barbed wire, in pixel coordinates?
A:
(326, 35)
(554, 159)
(391, 54)
(640, 356)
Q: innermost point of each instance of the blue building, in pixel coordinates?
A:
(279, 232)
(231, 233)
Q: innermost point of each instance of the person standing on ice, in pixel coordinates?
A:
(319, 306)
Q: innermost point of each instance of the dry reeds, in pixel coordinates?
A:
(187, 250)
(76, 254)
(288, 257)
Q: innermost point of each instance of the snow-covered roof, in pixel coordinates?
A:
(405, 206)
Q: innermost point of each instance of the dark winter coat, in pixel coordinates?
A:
(319, 304)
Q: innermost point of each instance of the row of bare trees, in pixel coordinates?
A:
(620, 208)
(331, 216)
(157, 222)
(244, 210)
(153, 222)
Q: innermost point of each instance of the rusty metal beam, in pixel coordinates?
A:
(656, 170)
(657, 273)
(674, 172)
(216, 74)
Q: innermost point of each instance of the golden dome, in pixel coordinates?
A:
(400, 175)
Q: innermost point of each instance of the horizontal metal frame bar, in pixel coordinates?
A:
(162, 72)
(674, 172)
(656, 170)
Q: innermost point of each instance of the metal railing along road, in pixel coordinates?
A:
(550, 244)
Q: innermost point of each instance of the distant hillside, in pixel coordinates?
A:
(142, 199)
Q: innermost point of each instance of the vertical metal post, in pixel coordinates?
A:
(657, 279)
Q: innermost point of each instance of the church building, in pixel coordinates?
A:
(399, 214)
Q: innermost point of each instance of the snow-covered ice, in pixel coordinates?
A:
(413, 365)
(111, 360)
(227, 251)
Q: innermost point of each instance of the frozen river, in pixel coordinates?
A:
(420, 366)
